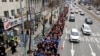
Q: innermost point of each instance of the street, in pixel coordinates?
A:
(88, 45)
(50, 28)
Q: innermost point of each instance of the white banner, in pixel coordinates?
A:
(8, 23)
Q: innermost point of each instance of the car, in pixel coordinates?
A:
(72, 17)
(71, 7)
(97, 12)
(89, 20)
(79, 10)
(76, 11)
(86, 29)
(72, 11)
(82, 13)
(90, 8)
(74, 35)
(76, 7)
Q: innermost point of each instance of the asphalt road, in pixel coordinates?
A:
(88, 46)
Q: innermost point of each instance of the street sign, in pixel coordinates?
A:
(27, 25)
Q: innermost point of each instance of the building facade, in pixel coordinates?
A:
(10, 8)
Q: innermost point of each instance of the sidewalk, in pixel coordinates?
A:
(20, 50)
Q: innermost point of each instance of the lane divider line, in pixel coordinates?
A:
(98, 46)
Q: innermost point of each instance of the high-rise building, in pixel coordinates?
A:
(10, 8)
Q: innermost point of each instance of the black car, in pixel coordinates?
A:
(89, 8)
(89, 21)
(72, 18)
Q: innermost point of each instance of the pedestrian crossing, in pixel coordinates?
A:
(96, 34)
(86, 39)
(90, 39)
(94, 37)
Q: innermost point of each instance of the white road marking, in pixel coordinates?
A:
(86, 38)
(92, 52)
(91, 39)
(72, 50)
(96, 40)
(95, 34)
(99, 39)
(98, 34)
(66, 30)
(98, 46)
(66, 37)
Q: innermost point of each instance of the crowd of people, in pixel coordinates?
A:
(50, 44)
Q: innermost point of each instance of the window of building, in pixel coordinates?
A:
(13, 12)
(11, 0)
(4, 0)
(18, 11)
(6, 13)
(16, 0)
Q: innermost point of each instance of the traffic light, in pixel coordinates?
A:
(1, 30)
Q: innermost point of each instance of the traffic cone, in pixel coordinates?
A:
(62, 47)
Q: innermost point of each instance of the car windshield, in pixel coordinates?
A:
(72, 17)
(89, 20)
(74, 33)
(87, 28)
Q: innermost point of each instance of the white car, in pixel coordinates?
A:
(82, 13)
(74, 35)
(97, 12)
(86, 29)
(72, 11)
(79, 10)
(76, 11)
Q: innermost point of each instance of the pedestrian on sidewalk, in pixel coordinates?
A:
(13, 46)
(2, 49)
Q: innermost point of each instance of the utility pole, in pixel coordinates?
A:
(22, 27)
(30, 16)
(43, 17)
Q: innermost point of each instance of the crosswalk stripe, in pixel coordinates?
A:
(87, 39)
(91, 39)
(98, 46)
(95, 34)
(96, 40)
(81, 39)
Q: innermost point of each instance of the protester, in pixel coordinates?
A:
(49, 46)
